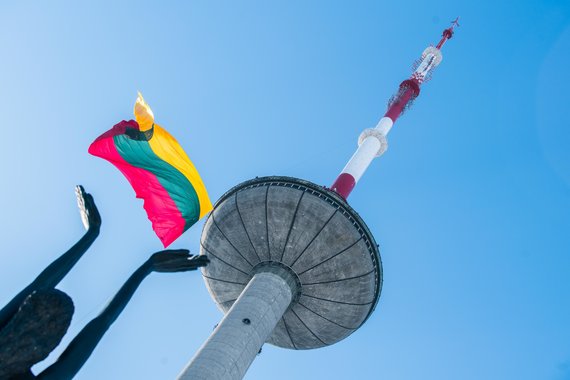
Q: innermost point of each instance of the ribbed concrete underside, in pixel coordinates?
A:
(310, 230)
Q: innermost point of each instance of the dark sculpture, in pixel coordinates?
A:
(33, 323)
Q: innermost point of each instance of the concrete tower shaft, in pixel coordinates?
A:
(231, 349)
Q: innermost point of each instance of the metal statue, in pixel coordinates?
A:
(33, 323)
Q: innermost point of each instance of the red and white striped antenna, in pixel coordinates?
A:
(372, 142)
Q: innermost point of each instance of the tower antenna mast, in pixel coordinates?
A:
(372, 142)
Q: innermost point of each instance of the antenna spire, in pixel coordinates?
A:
(372, 142)
(448, 33)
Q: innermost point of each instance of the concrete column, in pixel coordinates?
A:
(232, 347)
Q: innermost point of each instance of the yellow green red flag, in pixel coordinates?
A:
(159, 171)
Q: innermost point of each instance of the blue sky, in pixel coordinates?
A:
(470, 204)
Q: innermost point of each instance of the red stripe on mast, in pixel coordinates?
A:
(408, 91)
(344, 185)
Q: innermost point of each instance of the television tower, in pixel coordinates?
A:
(292, 264)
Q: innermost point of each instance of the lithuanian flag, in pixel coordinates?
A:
(159, 171)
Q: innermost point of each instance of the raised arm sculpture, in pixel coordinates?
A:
(33, 323)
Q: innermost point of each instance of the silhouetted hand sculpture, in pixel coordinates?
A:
(89, 212)
(178, 260)
(33, 323)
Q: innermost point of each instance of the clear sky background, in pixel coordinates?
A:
(470, 204)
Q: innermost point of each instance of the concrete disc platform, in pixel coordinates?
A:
(310, 231)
